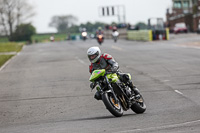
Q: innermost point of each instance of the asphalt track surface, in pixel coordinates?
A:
(45, 88)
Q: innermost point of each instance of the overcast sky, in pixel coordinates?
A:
(88, 10)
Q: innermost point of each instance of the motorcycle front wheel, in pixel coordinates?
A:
(115, 39)
(113, 107)
(99, 42)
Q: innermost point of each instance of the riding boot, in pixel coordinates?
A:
(130, 84)
(133, 88)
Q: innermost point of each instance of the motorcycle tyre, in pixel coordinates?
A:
(138, 109)
(106, 100)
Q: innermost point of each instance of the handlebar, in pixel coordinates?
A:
(111, 72)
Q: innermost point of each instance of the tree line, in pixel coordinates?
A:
(67, 24)
(16, 26)
(13, 14)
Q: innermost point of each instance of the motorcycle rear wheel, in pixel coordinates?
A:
(113, 108)
(139, 106)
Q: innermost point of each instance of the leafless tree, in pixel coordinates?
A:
(62, 23)
(13, 13)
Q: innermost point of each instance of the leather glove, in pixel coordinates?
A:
(114, 69)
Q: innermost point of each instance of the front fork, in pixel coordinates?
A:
(111, 88)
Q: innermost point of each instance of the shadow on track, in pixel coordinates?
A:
(101, 117)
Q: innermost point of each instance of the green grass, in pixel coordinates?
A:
(10, 47)
(4, 58)
(3, 39)
(45, 37)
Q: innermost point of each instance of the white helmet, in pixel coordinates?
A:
(94, 54)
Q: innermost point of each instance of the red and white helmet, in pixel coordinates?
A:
(94, 54)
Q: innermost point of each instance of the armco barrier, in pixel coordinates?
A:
(167, 33)
(140, 35)
(148, 35)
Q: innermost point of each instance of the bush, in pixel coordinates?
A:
(23, 32)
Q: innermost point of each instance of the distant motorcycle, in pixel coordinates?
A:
(84, 35)
(52, 39)
(100, 39)
(115, 35)
(116, 96)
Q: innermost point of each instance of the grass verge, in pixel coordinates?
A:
(8, 47)
(45, 37)
(4, 58)
(11, 47)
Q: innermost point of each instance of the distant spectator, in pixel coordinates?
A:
(137, 27)
(129, 26)
(107, 27)
(69, 36)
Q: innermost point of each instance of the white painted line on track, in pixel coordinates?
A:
(117, 48)
(194, 47)
(177, 91)
(166, 80)
(4, 65)
(7, 62)
(16, 54)
(160, 127)
(81, 61)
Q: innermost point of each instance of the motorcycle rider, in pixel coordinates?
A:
(99, 32)
(114, 28)
(115, 33)
(83, 30)
(107, 62)
(84, 33)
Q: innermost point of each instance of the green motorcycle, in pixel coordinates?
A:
(116, 95)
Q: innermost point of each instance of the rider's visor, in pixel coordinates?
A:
(92, 56)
